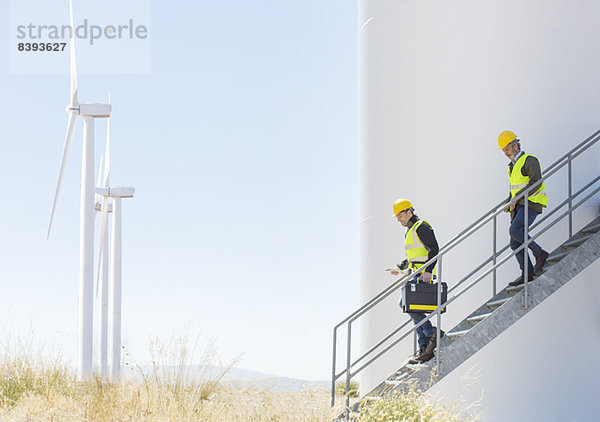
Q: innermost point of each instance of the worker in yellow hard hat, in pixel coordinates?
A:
(523, 171)
(421, 246)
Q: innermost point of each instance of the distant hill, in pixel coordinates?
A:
(240, 378)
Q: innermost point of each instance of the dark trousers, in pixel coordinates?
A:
(516, 237)
(425, 330)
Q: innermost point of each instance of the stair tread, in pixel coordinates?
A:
(576, 242)
(593, 228)
(556, 256)
(457, 333)
(498, 302)
(415, 365)
(402, 377)
(479, 317)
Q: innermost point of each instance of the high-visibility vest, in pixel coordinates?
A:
(416, 252)
(518, 182)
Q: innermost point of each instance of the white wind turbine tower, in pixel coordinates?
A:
(113, 334)
(89, 112)
(102, 283)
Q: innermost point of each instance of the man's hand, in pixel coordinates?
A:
(404, 265)
(427, 277)
(400, 267)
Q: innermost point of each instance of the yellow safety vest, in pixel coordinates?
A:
(518, 182)
(416, 252)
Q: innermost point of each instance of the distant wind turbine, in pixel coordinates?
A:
(114, 289)
(89, 112)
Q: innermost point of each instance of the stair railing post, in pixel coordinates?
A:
(526, 250)
(333, 367)
(348, 360)
(439, 316)
(414, 343)
(570, 167)
(494, 256)
(414, 334)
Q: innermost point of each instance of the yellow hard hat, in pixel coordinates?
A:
(401, 205)
(505, 138)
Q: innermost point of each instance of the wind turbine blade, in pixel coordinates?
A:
(97, 196)
(99, 179)
(103, 229)
(74, 96)
(66, 150)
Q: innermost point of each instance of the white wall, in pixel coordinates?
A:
(438, 80)
(543, 368)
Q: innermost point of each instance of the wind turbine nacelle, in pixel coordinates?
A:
(95, 110)
(122, 192)
(116, 192)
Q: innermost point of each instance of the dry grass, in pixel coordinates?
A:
(181, 385)
(33, 388)
(129, 402)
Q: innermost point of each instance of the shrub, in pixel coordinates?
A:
(413, 406)
(340, 388)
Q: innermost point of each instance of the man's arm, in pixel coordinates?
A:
(531, 167)
(427, 236)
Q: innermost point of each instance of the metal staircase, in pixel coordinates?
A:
(496, 314)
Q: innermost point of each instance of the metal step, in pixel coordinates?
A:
(514, 289)
(393, 383)
(497, 303)
(575, 242)
(592, 229)
(414, 366)
(400, 377)
(557, 257)
(477, 318)
(457, 334)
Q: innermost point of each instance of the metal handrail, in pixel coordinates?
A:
(491, 215)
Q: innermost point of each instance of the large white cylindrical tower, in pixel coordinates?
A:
(438, 81)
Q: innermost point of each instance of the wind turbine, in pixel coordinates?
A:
(89, 112)
(115, 288)
(103, 307)
(116, 268)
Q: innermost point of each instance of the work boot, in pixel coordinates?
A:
(432, 344)
(539, 262)
(426, 356)
(520, 281)
(418, 356)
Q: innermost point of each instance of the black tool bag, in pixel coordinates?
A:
(422, 297)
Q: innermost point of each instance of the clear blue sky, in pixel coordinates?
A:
(241, 143)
